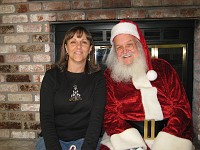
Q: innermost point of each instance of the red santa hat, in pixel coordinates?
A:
(129, 27)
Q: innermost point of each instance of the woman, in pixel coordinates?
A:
(72, 97)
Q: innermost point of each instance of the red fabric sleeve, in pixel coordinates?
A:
(180, 117)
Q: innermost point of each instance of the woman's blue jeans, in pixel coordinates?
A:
(40, 145)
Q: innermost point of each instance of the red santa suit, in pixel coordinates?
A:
(162, 98)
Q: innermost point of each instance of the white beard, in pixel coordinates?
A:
(124, 73)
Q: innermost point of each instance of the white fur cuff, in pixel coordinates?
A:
(128, 139)
(166, 141)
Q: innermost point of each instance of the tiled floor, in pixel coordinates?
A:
(17, 144)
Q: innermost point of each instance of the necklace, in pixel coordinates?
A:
(75, 96)
(74, 79)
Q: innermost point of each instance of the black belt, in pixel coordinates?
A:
(149, 129)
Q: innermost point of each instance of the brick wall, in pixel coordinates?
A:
(27, 49)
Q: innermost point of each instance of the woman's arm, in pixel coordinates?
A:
(47, 93)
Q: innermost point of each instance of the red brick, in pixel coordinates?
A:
(8, 68)
(71, 16)
(35, 6)
(190, 12)
(144, 3)
(22, 8)
(101, 14)
(18, 78)
(86, 4)
(41, 38)
(22, 116)
(138, 13)
(9, 106)
(6, 29)
(3, 116)
(10, 125)
(32, 48)
(116, 4)
(163, 13)
(177, 2)
(32, 125)
(13, 1)
(30, 87)
(56, 5)
(1, 59)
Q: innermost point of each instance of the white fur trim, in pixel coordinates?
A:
(150, 101)
(166, 141)
(124, 28)
(152, 75)
(151, 104)
(130, 138)
(106, 141)
(141, 81)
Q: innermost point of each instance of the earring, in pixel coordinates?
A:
(67, 56)
(89, 57)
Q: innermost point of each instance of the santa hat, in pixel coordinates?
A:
(129, 27)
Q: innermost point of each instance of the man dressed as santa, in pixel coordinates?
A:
(147, 107)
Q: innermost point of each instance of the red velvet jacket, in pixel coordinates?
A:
(124, 102)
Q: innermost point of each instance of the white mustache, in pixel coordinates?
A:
(129, 54)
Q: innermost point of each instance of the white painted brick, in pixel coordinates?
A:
(4, 133)
(38, 78)
(43, 17)
(8, 49)
(13, 1)
(47, 48)
(16, 39)
(41, 58)
(47, 28)
(37, 97)
(8, 88)
(2, 78)
(35, 6)
(37, 116)
(24, 135)
(29, 28)
(2, 97)
(31, 68)
(19, 97)
(14, 18)
(17, 58)
(7, 9)
(30, 107)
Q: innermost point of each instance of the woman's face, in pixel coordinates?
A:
(78, 49)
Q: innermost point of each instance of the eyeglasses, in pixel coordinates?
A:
(128, 46)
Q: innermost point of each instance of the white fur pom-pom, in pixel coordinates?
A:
(151, 75)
